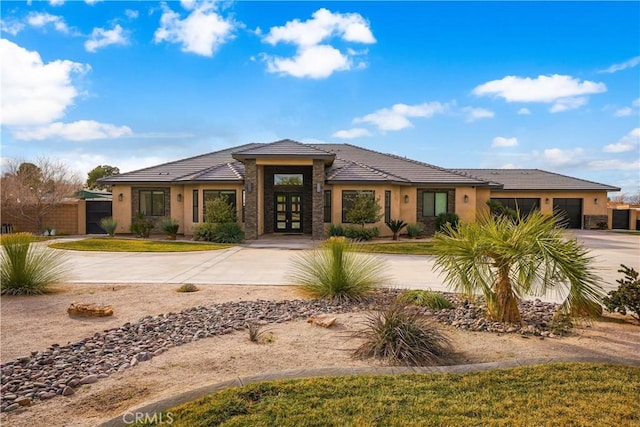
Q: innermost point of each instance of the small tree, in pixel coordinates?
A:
(32, 190)
(219, 211)
(101, 171)
(365, 210)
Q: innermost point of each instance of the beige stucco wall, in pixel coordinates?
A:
(483, 195)
(121, 210)
(466, 203)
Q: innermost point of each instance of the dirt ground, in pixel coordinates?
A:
(34, 323)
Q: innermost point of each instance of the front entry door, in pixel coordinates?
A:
(288, 213)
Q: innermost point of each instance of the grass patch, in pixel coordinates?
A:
(408, 248)
(426, 298)
(135, 245)
(32, 237)
(632, 232)
(547, 395)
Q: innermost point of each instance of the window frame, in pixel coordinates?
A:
(195, 205)
(433, 195)
(353, 194)
(387, 206)
(151, 197)
(327, 206)
(287, 176)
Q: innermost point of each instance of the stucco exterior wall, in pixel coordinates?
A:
(466, 203)
(121, 209)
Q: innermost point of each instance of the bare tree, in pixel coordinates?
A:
(31, 190)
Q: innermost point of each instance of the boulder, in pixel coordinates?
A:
(324, 320)
(89, 310)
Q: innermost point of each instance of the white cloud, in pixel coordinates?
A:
(558, 158)
(12, 27)
(614, 164)
(351, 133)
(314, 57)
(636, 103)
(396, 117)
(56, 2)
(131, 14)
(473, 114)
(101, 38)
(315, 62)
(202, 32)
(564, 91)
(92, 2)
(566, 104)
(623, 112)
(629, 142)
(41, 20)
(501, 141)
(524, 111)
(82, 130)
(622, 66)
(34, 92)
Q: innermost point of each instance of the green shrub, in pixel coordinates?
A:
(230, 232)
(336, 270)
(425, 298)
(28, 269)
(170, 226)
(401, 335)
(336, 230)
(447, 218)
(627, 296)
(361, 234)
(365, 210)
(415, 229)
(141, 227)
(219, 211)
(499, 210)
(188, 287)
(109, 225)
(396, 225)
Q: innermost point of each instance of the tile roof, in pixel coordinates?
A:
(535, 179)
(283, 148)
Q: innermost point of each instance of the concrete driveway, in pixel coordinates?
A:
(267, 261)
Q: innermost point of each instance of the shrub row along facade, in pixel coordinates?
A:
(290, 187)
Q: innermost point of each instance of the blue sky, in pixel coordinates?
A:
(546, 85)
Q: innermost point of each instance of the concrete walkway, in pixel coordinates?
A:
(155, 408)
(267, 261)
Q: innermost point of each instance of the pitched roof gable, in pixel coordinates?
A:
(283, 149)
(535, 179)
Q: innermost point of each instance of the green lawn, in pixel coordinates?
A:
(547, 395)
(407, 248)
(135, 245)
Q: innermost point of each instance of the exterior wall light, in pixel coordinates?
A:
(318, 188)
(179, 197)
(595, 201)
(466, 198)
(249, 186)
(120, 197)
(406, 198)
(546, 201)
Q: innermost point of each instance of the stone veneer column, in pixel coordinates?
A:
(251, 199)
(317, 217)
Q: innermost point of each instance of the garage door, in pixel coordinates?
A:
(570, 210)
(620, 219)
(96, 210)
(524, 205)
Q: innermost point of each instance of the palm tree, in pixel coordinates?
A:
(506, 260)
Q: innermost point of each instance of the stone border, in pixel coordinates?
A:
(155, 408)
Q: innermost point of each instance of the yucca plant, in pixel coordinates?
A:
(336, 270)
(109, 225)
(170, 226)
(506, 260)
(425, 298)
(414, 229)
(28, 269)
(401, 335)
(396, 226)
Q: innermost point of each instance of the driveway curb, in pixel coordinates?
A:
(161, 405)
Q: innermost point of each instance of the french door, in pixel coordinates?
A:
(288, 213)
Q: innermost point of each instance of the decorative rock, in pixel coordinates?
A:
(68, 391)
(89, 379)
(89, 310)
(23, 401)
(11, 407)
(324, 320)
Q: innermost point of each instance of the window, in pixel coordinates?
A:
(349, 198)
(229, 195)
(387, 206)
(152, 202)
(287, 179)
(327, 206)
(244, 203)
(195, 206)
(433, 204)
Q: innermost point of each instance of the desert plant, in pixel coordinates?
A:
(205, 231)
(219, 211)
(170, 226)
(365, 210)
(401, 335)
(188, 287)
(627, 296)
(228, 232)
(336, 270)
(499, 210)
(109, 225)
(447, 218)
(425, 298)
(506, 260)
(257, 332)
(415, 229)
(26, 268)
(360, 233)
(396, 225)
(141, 227)
(336, 230)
